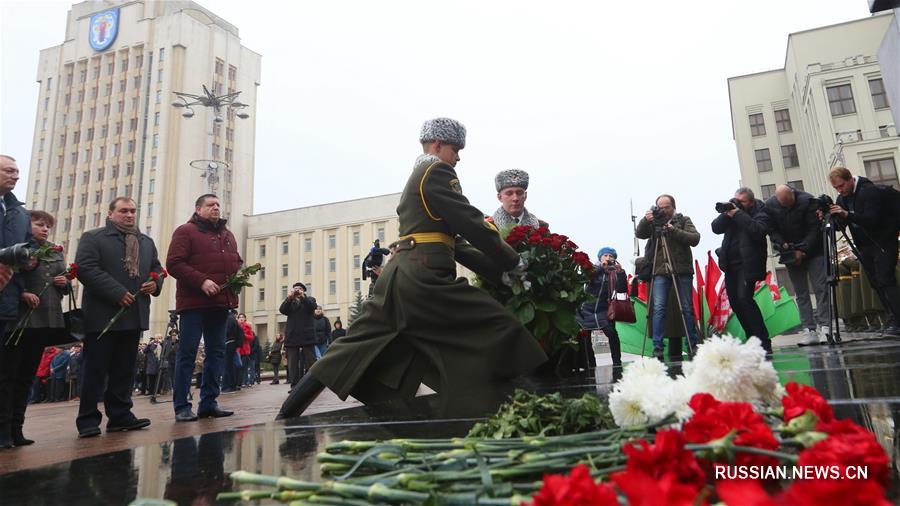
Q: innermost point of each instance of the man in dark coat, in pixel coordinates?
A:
(151, 366)
(322, 326)
(797, 237)
(234, 340)
(425, 325)
(114, 265)
(871, 215)
(202, 255)
(742, 259)
(300, 332)
(274, 356)
(15, 227)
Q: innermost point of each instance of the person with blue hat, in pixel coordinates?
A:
(608, 273)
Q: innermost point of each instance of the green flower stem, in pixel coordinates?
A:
(745, 449)
(19, 329)
(372, 462)
(279, 482)
(243, 495)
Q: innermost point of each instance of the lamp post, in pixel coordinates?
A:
(220, 103)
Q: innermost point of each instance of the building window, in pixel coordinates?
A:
(155, 140)
(121, 106)
(763, 160)
(766, 191)
(332, 265)
(103, 131)
(284, 291)
(232, 73)
(121, 85)
(139, 61)
(307, 268)
(284, 270)
(262, 273)
(783, 120)
(882, 171)
(130, 147)
(107, 90)
(789, 156)
(332, 287)
(309, 289)
(307, 245)
(840, 99)
(156, 119)
(162, 54)
(332, 241)
(132, 124)
(879, 96)
(356, 284)
(284, 247)
(159, 76)
(757, 125)
(158, 96)
(356, 238)
(128, 190)
(381, 229)
(137, 82)
(151, 186)
(262, 251)
(116, 148)
(98, 196)
(153, 161)
(356, 261)
(262, 295)
(220, 67)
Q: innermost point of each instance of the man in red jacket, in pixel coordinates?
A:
(202, 254)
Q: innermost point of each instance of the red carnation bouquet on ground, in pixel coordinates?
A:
(155, 277)
(547, 295)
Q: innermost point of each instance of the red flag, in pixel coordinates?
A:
(713, 275)
(773, 285)
(642, 290)
(722, 311)
(699, 293)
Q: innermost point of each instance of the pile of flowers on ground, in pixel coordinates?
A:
(546, 296)
(741, 443)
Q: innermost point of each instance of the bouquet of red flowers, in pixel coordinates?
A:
(546, 296)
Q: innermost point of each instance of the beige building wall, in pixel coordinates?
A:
(322, 246)
(859, 133)
(105, 126)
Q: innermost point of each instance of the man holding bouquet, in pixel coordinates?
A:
(202, 256)
(423, 324)
(115, 265)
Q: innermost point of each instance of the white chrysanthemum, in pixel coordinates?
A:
(643, 395)
(765, 378)
(626, 408)
(683, 389)
(724, 367)
(644, 367)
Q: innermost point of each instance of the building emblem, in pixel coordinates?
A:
(103, 29)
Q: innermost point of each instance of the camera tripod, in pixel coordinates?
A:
(832, 273)
(659, 235)
(164, 350)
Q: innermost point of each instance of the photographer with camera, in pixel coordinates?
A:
(742, 257)
(796, 236)
(669, 261)
(373, 264)
(593, 314)
(300, 332)
(870, 212)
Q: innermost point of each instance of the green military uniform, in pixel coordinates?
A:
(423, 324)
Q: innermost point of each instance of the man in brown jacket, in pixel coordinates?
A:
(202, 254)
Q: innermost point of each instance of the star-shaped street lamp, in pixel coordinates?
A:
(220, 103)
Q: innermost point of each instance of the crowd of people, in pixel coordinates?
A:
(409, 330)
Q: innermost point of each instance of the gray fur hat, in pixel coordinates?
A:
(511, 178)
(444, 130)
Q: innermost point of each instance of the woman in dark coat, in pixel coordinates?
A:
(45, 327)
(300, 333)
(274, 356)
(151, 366)
(592, 315)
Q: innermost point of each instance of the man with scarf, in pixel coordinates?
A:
(114, 264)
(423, 324)
(202, 255)
(512, 192)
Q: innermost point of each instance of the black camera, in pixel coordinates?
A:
(724, 207)
(375, 258)
(16, 255)
(660, 218)
(824, 203)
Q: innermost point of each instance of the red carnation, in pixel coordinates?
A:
(154, 276)
(576, 489)
(665, 455)
(56, 247)
(746, 492)
(714, 420)
(164, 273)
(860, 450)
(71, 272)
(801, 398)
(844, 492)
(836, 427)
(641, 489)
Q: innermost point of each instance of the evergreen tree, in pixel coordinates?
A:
(356, 308)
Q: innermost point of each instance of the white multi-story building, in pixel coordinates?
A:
(827, 107)
(105, 125)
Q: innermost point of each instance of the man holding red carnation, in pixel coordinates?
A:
(115, 265)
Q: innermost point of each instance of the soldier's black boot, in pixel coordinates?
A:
(6, 440)
(301, 396)
(18, 438)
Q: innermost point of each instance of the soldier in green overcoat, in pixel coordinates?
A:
(423, 324)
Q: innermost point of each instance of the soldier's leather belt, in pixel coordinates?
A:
(427, 237)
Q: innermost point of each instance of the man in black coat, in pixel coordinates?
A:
(322, 325)
(872, 218)
(114, 265)
(300, 333)
(15, 227)
(797, 236)
(234, 339)
(742, 259)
